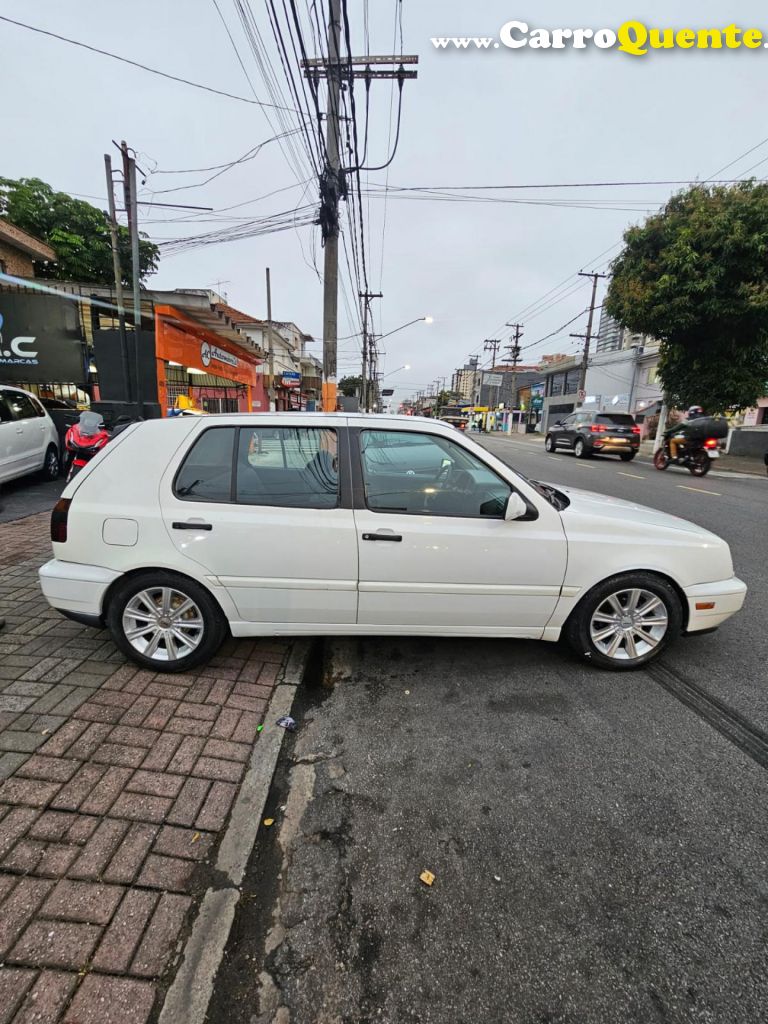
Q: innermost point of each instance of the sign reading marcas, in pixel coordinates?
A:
(40, 340)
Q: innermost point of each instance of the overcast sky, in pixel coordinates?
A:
(472, 118)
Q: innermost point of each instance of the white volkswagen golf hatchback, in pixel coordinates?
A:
(183, 530)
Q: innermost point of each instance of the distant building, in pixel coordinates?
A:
(19, 251)
(612, 337)
(466, 381)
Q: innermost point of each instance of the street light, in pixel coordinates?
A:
(385, 375)
(419, 319)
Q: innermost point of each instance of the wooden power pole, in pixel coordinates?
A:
(588, 336)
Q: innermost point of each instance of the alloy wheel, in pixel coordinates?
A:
(51, 465)
(163, 624)
(629, 624)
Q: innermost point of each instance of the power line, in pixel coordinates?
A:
(143, 67)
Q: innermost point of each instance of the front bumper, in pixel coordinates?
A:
(710, 604)
(74, 588)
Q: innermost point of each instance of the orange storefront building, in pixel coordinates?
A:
(215, 373)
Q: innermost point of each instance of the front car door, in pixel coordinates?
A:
(265, 509)
(11, 441)
(436, 553)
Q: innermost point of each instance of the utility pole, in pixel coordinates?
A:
(368, 347)
(491, 345)
(118, 271)
(588, 336)
(270, 348)
(514, 357)
(332, 181)
(129, 187)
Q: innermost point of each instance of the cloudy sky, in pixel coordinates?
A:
(501, 117)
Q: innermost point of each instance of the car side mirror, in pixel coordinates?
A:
(516, 507)
(559, 423)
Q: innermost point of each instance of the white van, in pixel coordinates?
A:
(29, 441)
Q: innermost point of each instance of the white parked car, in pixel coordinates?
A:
(183, 530)
(29, 441)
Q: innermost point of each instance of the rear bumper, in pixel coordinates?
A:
(726, 598)
(76, 589)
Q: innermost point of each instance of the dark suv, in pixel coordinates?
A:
(587, 433)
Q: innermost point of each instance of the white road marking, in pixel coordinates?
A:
(699, 490)
(635, 476)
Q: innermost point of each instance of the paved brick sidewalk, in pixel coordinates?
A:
(115, 784)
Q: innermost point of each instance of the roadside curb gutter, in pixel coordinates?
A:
(187, 999)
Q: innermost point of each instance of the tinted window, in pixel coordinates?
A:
(5, 410)
(39, 410)
(206, 473)
(21, 405)
(616, 418)
(292, 467)
(428, 474)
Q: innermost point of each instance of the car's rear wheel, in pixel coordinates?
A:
(52, 463)
(627, 456)
(625, 621)
(580, 449)
(549, 443)
(164, 621)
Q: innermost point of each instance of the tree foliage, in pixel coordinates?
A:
(77, 231)
(350, 386)
(695, 276)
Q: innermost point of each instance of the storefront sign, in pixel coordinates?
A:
(291, 380)
(492, 380)
(210, 353)
(40, 340)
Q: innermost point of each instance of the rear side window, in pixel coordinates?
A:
(5, 410)
(291, 467)
(616, 419)
(21, 405)
(206, 473)
(39, 410)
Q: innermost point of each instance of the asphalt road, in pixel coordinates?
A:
(598, 841)
(28, 495)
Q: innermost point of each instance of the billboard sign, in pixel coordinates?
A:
(40, 340)
(492, 380)
(291, 379)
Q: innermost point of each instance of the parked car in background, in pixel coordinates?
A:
(29, 441)
(591, 433)
(185, 530)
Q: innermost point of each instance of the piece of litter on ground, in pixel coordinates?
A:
(497, 878)
(407, 693)
(269, 821)
(259, 728)
(46, 732)
(196, 838)
(426, 877)
(286, 722)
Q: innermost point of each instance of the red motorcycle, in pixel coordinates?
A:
(83, 440)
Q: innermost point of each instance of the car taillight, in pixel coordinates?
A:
(711, 442)
(598, 428)
(59, 520)
(635, 430)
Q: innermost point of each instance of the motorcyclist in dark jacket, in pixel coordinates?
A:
(677, 434)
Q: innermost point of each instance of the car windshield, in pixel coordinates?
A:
(616, 419)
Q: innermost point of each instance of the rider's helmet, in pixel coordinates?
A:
(695, 412)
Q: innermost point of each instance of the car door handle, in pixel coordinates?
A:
(192, 526)
(19, 430)
(383, 536)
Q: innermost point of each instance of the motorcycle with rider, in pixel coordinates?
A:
(694, 444)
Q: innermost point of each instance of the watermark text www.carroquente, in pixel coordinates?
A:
(631, 37)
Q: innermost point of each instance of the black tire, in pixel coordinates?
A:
(627, 456)
(580, 449)
(51, 464)
(661, 460)
(700, 464)
(214, 628)
(549, 444)
(577, 630)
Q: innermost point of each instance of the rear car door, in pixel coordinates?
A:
(11, 442)
(30, 430)
(267, 510)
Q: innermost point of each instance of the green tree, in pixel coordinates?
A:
(695, 276)
(350, 386)
(76, 230)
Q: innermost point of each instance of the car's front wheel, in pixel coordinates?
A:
(549, 443)
(164, 621)
(625, 621)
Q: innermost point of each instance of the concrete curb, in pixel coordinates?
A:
(186, 1001)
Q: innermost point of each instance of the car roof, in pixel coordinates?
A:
(342, 418)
